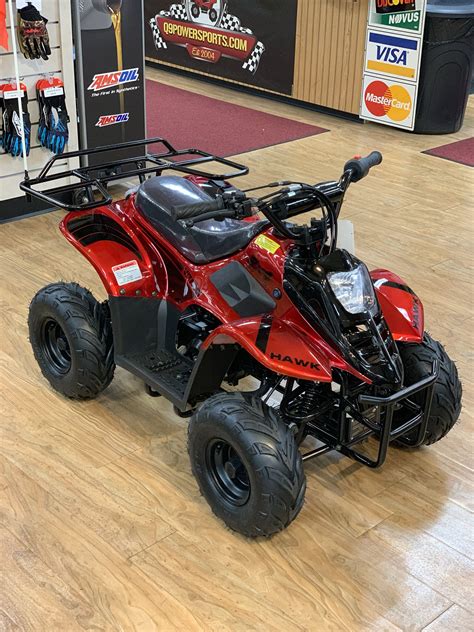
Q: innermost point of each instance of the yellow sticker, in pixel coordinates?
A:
(267, 244)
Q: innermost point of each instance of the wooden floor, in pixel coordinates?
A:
(102, 524)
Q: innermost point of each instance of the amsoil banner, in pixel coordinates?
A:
(252, 42)
(110, 70)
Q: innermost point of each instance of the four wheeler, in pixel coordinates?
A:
(260, 329)
(208, 12)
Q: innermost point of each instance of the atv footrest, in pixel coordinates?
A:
(165, 372)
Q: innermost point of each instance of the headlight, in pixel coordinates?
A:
(354, 290)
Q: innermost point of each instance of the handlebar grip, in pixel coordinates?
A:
(360, 167)
(188, 211)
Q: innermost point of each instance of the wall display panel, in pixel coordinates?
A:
(250, 42)
(60, 65)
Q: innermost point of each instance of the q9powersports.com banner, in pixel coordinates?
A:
(249, 41)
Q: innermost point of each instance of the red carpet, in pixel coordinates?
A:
(187, 120)
(462, 151)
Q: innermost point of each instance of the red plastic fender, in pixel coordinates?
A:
(401, 307)
(285, 352)
(282, 347)
(107, 239)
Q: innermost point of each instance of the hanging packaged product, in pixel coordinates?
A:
(12, 129)
(53, 132)
(33, 35)
(2, 118)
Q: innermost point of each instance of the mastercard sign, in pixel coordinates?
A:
(389, 102)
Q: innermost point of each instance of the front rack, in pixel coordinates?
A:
(90, 188)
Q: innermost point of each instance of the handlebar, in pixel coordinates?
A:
(360, 167)
(296, 199)
(189, 211)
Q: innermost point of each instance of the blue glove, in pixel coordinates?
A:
(58, 133)
(16, 147)
(12, 127)
(4, 137)
(42, 125)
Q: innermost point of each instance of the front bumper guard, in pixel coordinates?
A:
(384, 408)
(386, 433)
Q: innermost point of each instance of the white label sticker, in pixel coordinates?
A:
(127, 272)
(345, 235)
(54, 91)
(13, 94)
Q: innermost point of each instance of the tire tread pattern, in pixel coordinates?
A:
(87, 324)
(447, 396)
(272, 452)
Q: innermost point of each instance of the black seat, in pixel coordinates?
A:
(206, 241)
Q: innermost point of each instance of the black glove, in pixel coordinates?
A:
(33, 36)
(3, 131)
(58, 133)
(12, 137)
(43, 115)
(16, 146)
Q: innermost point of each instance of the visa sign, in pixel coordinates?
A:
(390, 55)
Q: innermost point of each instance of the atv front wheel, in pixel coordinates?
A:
(247, 464)
(446, 405)
(71, 337)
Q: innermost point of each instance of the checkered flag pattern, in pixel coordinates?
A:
(253, 61)
(230, 22)
(178, 12)
(157, 39)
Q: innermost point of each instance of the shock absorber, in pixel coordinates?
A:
(301, 405)
(308, 400)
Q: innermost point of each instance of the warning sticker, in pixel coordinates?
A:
(127, 272)
(267, 244)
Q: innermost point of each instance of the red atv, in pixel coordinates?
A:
(199, 9)
(210, 289)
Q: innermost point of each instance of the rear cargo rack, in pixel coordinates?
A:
(89, 190)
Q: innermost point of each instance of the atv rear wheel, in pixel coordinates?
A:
(446, 405)
(71, 337)
(247, 464)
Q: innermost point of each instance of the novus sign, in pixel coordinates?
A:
(407, 21)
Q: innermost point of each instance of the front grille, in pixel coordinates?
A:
(364, 341)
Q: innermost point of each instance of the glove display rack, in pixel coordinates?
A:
(32, 72)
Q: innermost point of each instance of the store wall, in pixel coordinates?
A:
(328, 55)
